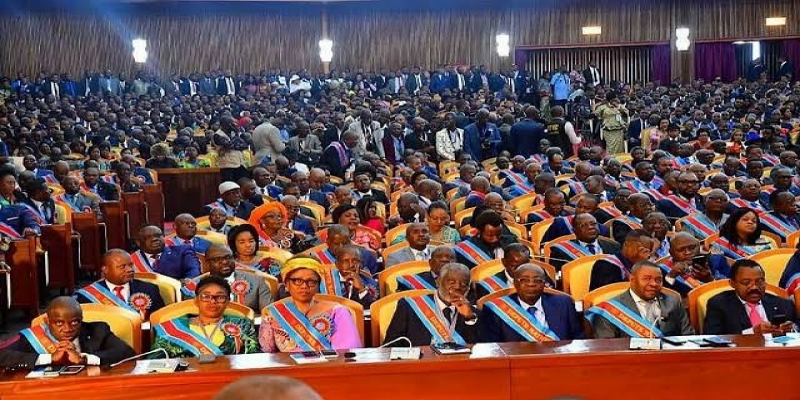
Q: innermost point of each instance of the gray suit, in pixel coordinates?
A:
(676, 323)
(311, 144)
(404, 255)
(259, 295)
(267, 142)
(377, 138)
(208, 87)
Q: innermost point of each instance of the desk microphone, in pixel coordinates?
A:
(138, 356)
(397, 340)
(407, 353)
(653, 326)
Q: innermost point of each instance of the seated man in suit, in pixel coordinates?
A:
(783, 219)
(231, 202)
(218, 222)
(562, 226)
(186, 234)
(686, 201)
(178, 262)
(246, 288)
(646, 308)
(77, 201)
(64, 339)
(638, 246)
(338, 236)
(586, 242)
(440, 256)
(31, 164)
(92, 183)
(362, 188)
(554, 202)
(417, 236)
(640, 205)
(748, 308)
(488, 242)
(684, 271)
(297, 221)
(40, 202)
(356, 283)
(452, 319)
(119, 287)
(514, 255)
(530, 314)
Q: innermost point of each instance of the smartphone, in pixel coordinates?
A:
(310, 354)
(71, 370)
(700, 342)
(778, 319)
(330, 354)
(675, 341)
(717, 341)
(700, 261)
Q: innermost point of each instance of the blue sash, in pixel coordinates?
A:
(427, 311)
(178, 333)
(472, 252)
(40, 338)
(526, 325)
(493, 284)
(414, 282)
(298, 327)
(98, 293)
(624, 318)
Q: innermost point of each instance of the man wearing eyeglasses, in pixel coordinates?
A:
(686, 202)
(64, 339)
(748, 308)
(638, 246)
(531, 314)
(246, 287)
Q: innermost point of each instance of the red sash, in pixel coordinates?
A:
(684, 205)
(473, 252)
(140, 263)
(7, 230)
(696, 221)
(624, 318)
(300, 328)
(613, 211)
(325, 256)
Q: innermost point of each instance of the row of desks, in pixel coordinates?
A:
(586, 369)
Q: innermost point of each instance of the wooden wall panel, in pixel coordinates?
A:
(626, 64)
(364, 38)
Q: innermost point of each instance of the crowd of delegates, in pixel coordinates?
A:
(332, 169)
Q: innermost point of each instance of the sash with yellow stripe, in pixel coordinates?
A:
(512, 313)
(37, 215)
(776, 225)
(793, 283)
(331, 282)
(40, 338)
(9, 231)
(434, 321)
(734, 251)
(325, 256)
(414, 282)
(682, 204)
(98, 293)
(298, 327)
(573, 249)
(472, 252)
(700, 225)
(686, 280)
(624, 318)
(518, 181)
(613, 211)
(742, 203)
(177, 332)
(493, 284)
(140, 262)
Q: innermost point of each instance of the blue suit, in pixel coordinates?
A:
(792, 269)
(42, 173)
(302, 224)
(525, 137)
(673, 212)
(318, 197)
(562, 227)
(199, 244)
(18, 217)
(179, 262)
(136, 286)
(559, 311)
(472, 141)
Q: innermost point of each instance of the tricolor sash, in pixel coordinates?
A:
(178, 333)
(686, 279)
(573, 249)
(624, 318)
(414, 282)
(771, 159)
(434, 321)
(541, 215)
(331, 282)
(98, 293)
(479, 195)
(37, 216)
(8, 230)
(518, 181)
(298, 327)
(701, 224)
(40, 338)
(793, 283)
(682, 204)
(777, 225)
(472, 252)
(741, 203)
(239, 289)
(341, 153)
(50, 179)
(62, 198)
(220, 205)
(733, 251)
(616, 261)
(512, 313)
(325, 256)
(493, 284)
(682, 161)
(189, 287)
(576, 187)
(140, 262)
(613, 211)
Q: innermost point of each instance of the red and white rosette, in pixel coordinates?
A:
(240, 289)
(231, 329)
(323, 325)
(141, 302)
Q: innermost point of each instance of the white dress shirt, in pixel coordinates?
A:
(47, 359)
(421, 255)
(539, 311)
(641, 304)
(596, 244)
(453, 311)
(126, 289)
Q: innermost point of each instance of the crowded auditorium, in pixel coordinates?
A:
(459, 199)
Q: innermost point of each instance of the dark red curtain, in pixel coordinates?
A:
(713, 60)
(661, 64)
(791, 50)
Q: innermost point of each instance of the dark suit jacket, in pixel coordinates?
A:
(49, 210)
(606, 273)
(406, 323)
(414, 141)
(106, 191)
(673, 212)
(330, 160)
(726, 315)
(318, 197)
(525, 137)
(557, 255)
(222, 87)
(136, 286)
(179, 262)
(472, 140)
(426, 276)
(635, 133)
(242, 211)
(559, 311)
(561, 227)
(676, 322)
(303, 224)
(95, 338)
(389, 151)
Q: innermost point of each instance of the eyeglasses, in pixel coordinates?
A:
(309, 283)
(534, 282)
(218, 298)
(228, 257)
(748, 282)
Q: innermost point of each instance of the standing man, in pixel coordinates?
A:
(561, 86)
(230, 145)
(527, 133)
(267, 142)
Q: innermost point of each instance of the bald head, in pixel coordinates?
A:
(480, 184)
(532, 268)
(267, 388)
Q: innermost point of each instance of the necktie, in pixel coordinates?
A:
(592, 249)
(118, 292)
(154, 266)
(422, 256)
(532, 311)
(347, 285)
(650, 310)
(448, 314)
(648, 185)
(752, 313)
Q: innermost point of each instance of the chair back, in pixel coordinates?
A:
(462, 215)
(124, 323)
(185, 307)
(699, 296)
(356, 310)
(393, 233)
(548, 247)
(607, 292)
(523, 214)
(576, 275)
(279, 255)
(457, 205)
(271, 281)
(774, 263)
(204, 223)
(382, 311)
(317, 210)
(169, 288)
(792, 240)
(537, 233)
(508, 291)
(523, 202)
(518, 230)
(491, 267)
(387, 279)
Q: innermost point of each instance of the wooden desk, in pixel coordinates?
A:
(481, 375)
(188, 190)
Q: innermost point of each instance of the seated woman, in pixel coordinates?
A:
(347, 215)
(438, 222)
(368, 213)
(192, 159)
(301, 323)
(740, 237)
(270, 221)
(243, 242)
(209, 332)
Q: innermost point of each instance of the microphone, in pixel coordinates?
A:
(408, 353)
(138, 356)
(397, 340)
(653, 326)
